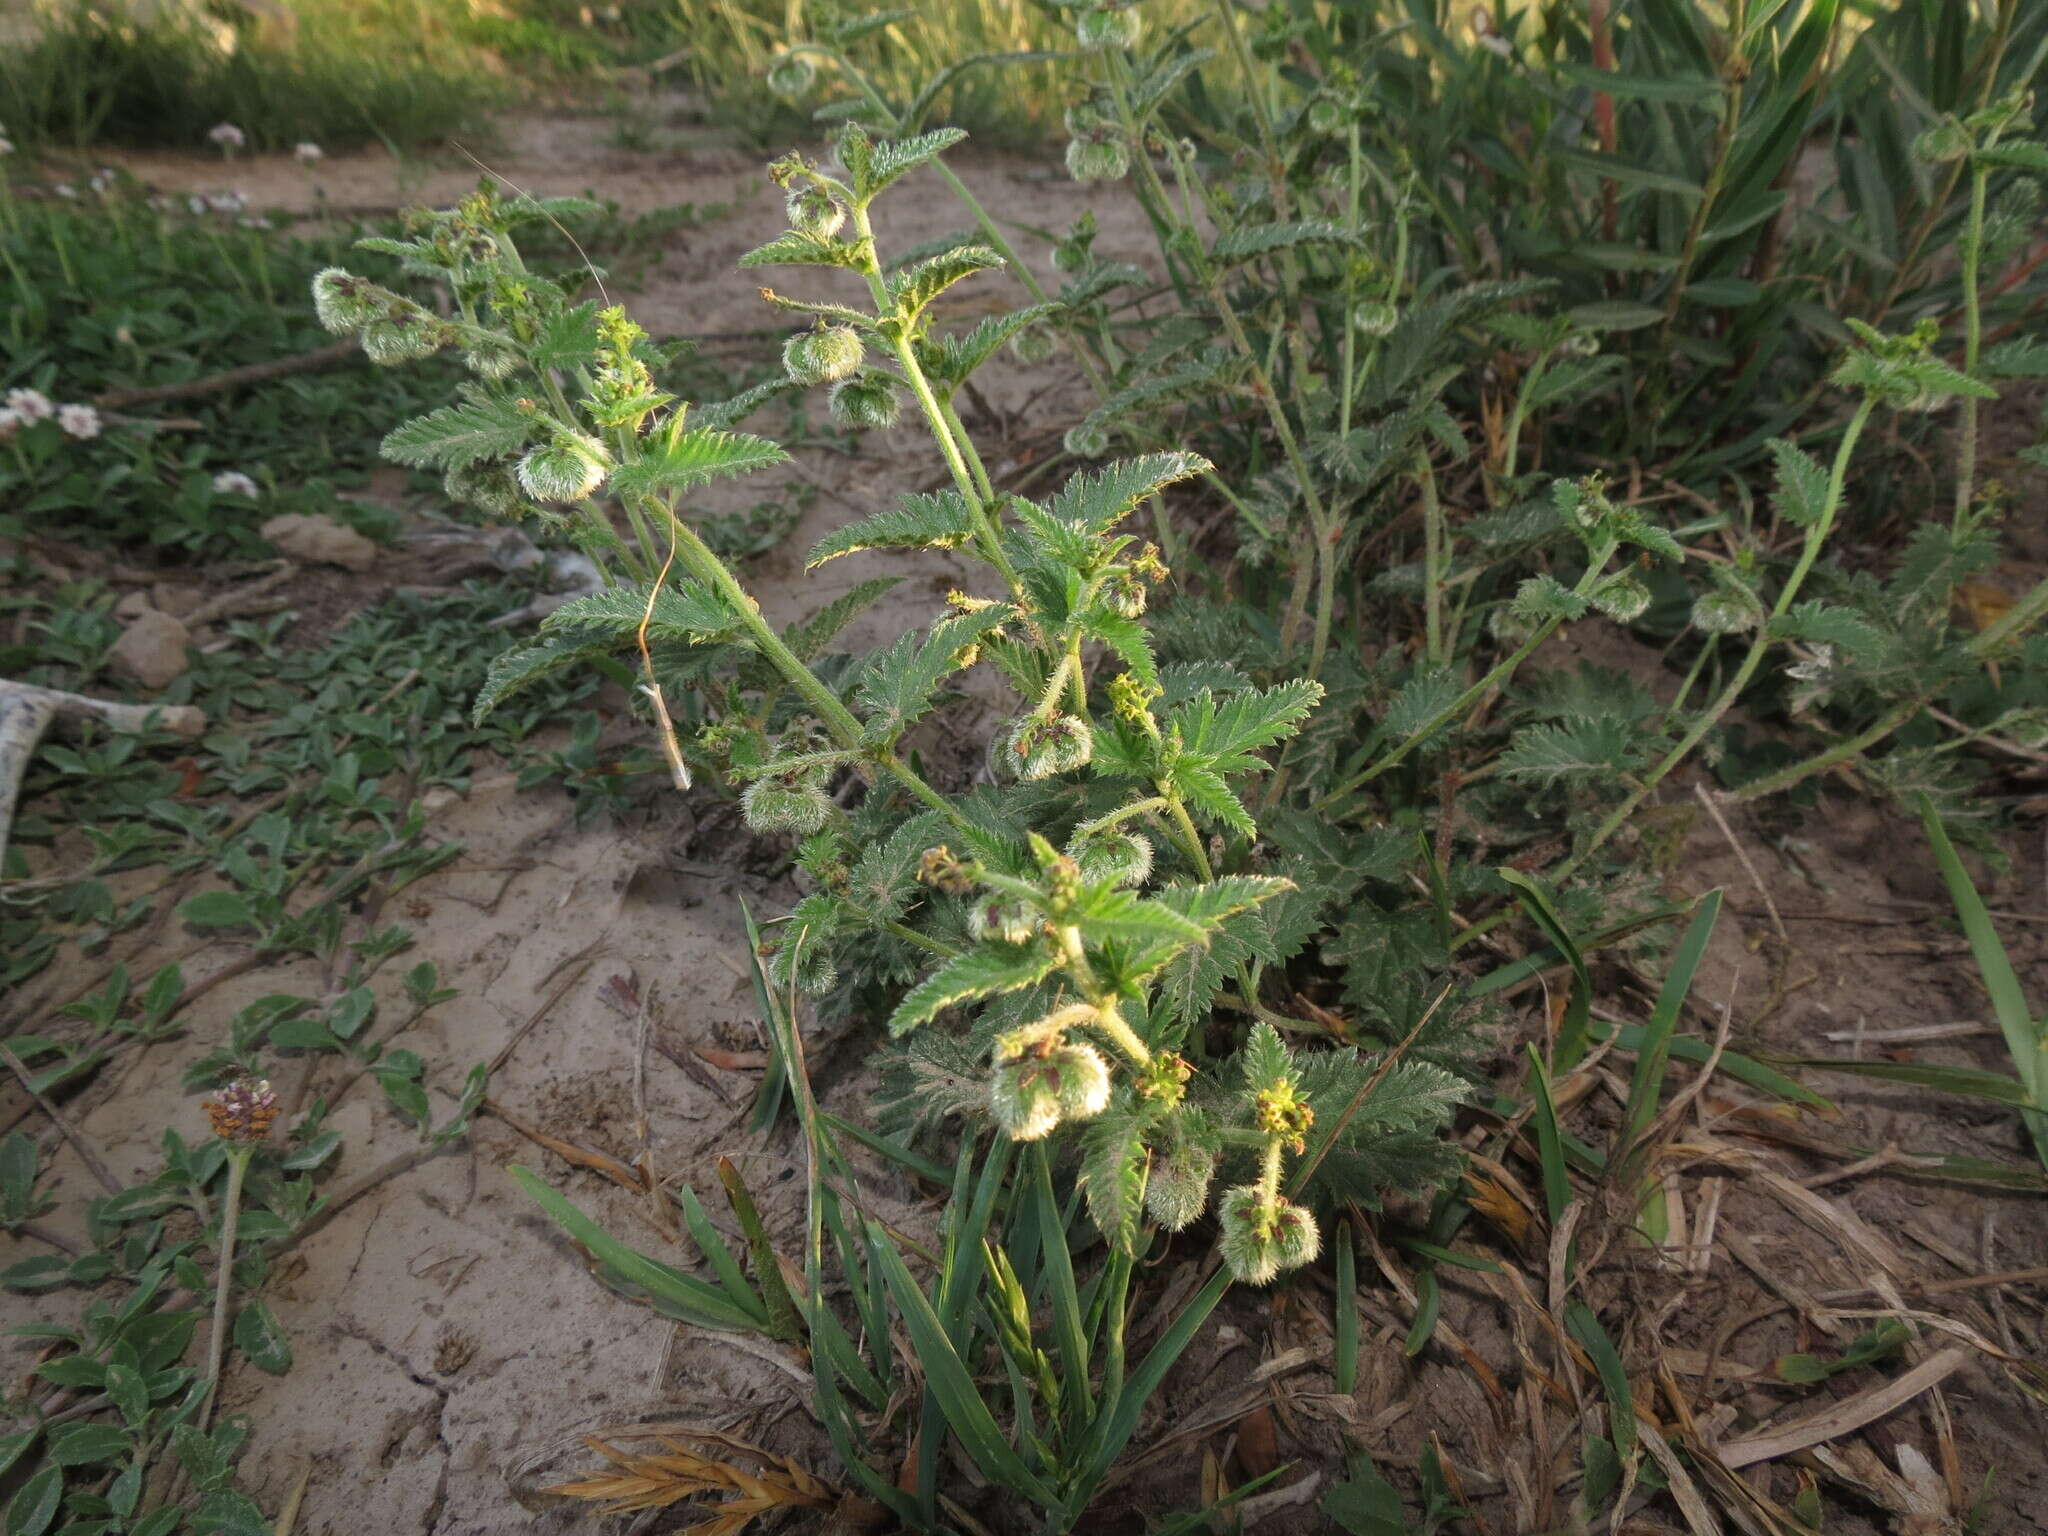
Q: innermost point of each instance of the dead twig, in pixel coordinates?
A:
(1846, 1416)
(85, 1150)
(233, 378)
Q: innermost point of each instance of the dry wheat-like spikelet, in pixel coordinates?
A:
(677, 1473)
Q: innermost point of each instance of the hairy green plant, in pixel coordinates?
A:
(1078, 920)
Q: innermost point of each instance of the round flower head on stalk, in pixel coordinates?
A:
(1124, 857)
(30, 405)
(493, 363)
(785, 803)
(243, 1111)
(400, 338)
(866, 402)
(569, 468)
(814, 211)
(227, 136)
(1033, 1092)
(1099, 155)
(343, 302)
(10, 423)
(1260, 1239)
(791, 76)
(1041, 745)
(1622, 597)
(823, 356)
(306, 152)
(490, 487)
(1085, 441)
(998, 917)
(65, 190)
(804, 962)
(1726, 610)
(1125, 592)
(79, 421)
(232, 482)
(1103, 27)
(1178, 1190)
(1033, 344)
(1375, 318)
(1945, 142)
(227, 202)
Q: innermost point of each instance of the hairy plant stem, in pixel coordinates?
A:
(1511, 443)
(1816, 537)
(224, 1280)
(1432, 563)
(845, 726)
(978, 500)
(1840, 752)
(1973, 342)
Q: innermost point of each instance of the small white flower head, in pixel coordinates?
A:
(1041, 746)
(232, 482)
(1947, 141)
(102, 182)
(823, 356)
(785, 803)
(344, 302)
(10, 423)
(306, 152)
(1622, 596)
(1083, 1080)
(814, 211)
(493, 363)
(257, 222)
(1033, 345)
(1084, 441)
(804, 963)
(65, 190)
(79, 421)
(1100, 155)
(791, 75)
(490, 487)
(227, 136)
(30, 405)
(1124, 857)
(1178, 1190)
(998, 917)
(866, 402)
(567, 469)
(1726, 610)
(1104, 27)
(6, 146)
(404, 336)
(195, 204)
(1025, 1096)
(1259, 1241)
(226, 202)
(1375, 318)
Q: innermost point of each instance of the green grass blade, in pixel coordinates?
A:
(1118, 1419)
(2024, 1038)
(952, 1384)
(1347, 1311)
(1966, 1082)
(1428, 1300)
(1646, 1088)
(1557, 1189)
(732, 1279)
(1582, 1325)
(672, 1292)
(1571, 1034)
(1068, 1326)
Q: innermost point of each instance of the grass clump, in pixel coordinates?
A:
(330, 72)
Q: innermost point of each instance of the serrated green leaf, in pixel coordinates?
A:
(1099, 500)
(457, 436)
(1548, 753)
(1815, 623)
(675, 460)
(1802, 494)
(891, 159)
(897, 687)
(1250, 241)
(1112, 1177)
(797, 249)
(987, 970)
(682, 610)
(911, 291)
(523, 666)
(1265, 1061)
(920, 521)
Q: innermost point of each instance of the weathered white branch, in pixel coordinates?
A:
(27, 711)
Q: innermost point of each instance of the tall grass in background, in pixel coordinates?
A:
(337, 72)
(733, 42)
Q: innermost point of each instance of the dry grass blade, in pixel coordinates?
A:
(1839, 1419)
(676, 1473)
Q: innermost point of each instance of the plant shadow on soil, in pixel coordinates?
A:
(450, 1344)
